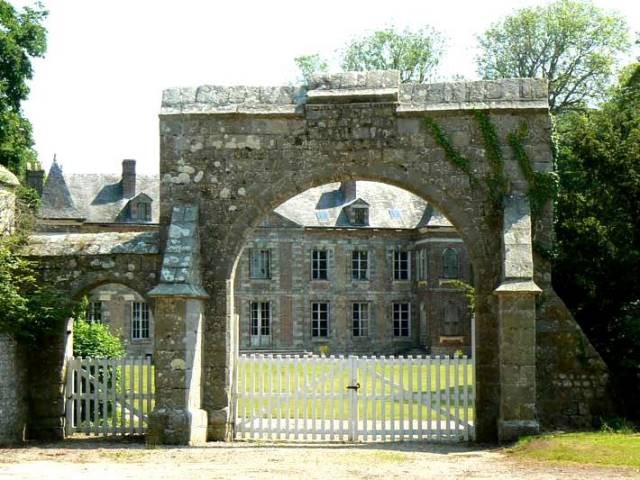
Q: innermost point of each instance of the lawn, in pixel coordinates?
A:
(318, 389)
(599, 448)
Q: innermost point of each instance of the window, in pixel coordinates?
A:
(360, 319)
(450, 264)
(139, 320)
(360, 216)
(260, 263)
(144, 211)
(421, 264)
(260, 319)
(94, 312)
(395, 213)
(360, 265)
(401, 319)
(319, 319)
(400, 265)
(451, 320)
(319, 265)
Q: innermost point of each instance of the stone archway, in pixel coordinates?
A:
(231, 155)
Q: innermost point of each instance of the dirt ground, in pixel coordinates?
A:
(104, 459)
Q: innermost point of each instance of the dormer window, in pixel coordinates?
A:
(360, 216)
(144, 211)
(139, 209)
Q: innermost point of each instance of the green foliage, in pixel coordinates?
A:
(93, 339)
(29, 310)
(543, 186)
(468, 291)
(450, 153)
(415, 53)
(22, 37)
(597, 270)
(310, 65)
(572, 43)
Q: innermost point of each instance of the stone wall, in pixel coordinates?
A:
(13, 394)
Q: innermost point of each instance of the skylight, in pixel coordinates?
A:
(322, 216)
(395, 213)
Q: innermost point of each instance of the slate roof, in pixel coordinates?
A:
(96, 198)
(323, 207)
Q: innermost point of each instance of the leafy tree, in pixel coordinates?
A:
(22, 37)
(415, 53)
(597, 270)
(572, 43)
(93, 339)
(311, 64)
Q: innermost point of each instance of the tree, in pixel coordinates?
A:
(22, 38)
(597, 270)
(310, 65)
(571, 43)
(415, 53)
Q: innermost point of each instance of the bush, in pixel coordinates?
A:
(93, 339)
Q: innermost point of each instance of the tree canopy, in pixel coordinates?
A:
(416, 54)
(597, 270)
(572, 43)
(22, 38)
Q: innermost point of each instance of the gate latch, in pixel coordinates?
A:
(354, 387)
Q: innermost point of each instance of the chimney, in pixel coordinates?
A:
(128, 178)
(348, 190)
(35, 180)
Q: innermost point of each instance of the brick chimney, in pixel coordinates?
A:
(128, 178)
(348, 190)
(35, 180)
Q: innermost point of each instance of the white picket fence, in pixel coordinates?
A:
(109, 396)
(354, 398)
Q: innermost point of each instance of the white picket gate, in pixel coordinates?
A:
(355, 398)
(109, 396)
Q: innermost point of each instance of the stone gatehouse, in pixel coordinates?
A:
(229, 156)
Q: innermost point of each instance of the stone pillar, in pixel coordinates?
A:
(516, 325)
(177, 418)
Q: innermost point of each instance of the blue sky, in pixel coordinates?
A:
(95, 97)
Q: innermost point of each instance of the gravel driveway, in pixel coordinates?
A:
(101, 459)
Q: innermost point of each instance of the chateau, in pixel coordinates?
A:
(352, 267)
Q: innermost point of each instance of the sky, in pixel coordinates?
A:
(96, 95)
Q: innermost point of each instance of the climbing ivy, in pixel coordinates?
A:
(543, 186)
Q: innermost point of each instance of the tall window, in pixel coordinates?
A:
(451, 320)
(94, 312)
(401, 319)
(400, 265)
(360, 319)
(144, 211)
(450, 265)
(319, 265)
(319, 319)
(260, 319)
(260, 263)
(360, 265)
(139, 320)
(421, 264)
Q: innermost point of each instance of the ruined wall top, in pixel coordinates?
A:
(381, 86)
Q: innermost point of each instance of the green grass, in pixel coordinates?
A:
(329, 383)
(600, 448)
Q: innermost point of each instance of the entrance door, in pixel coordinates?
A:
(260, 324)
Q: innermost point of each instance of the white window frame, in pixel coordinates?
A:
(360, 319)
(401, 313)
(320, 316)
(397, 265)
(260, 318)
(317, 272)
(360, 265)
(140, 320)
(260, 264)
(93, 308)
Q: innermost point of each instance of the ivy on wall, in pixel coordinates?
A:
(543, 186)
